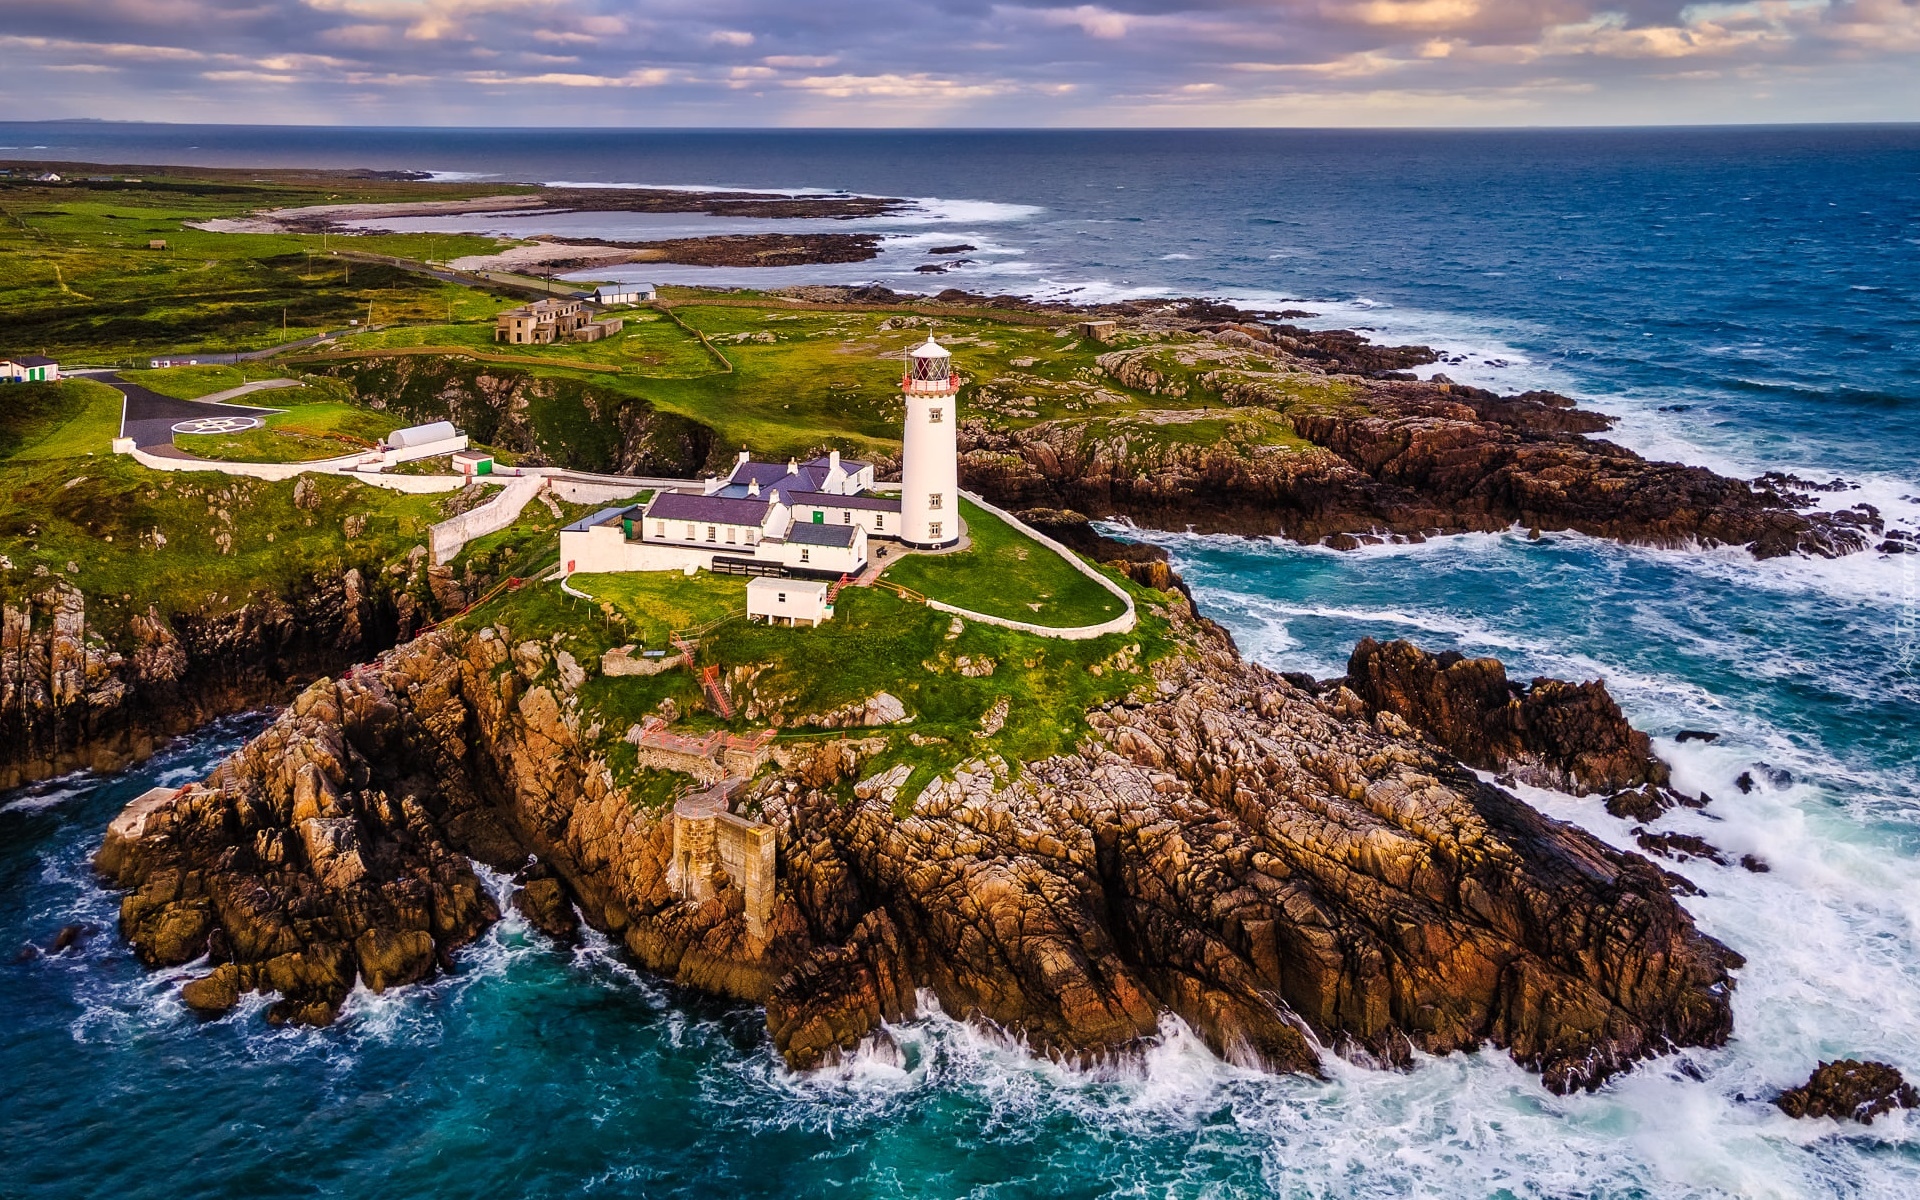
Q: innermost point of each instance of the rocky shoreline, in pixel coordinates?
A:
(1290, 873)
(73, 700)
(1405, 460)
(554, 256)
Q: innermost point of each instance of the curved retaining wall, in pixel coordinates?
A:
(278, 472)
(496, 514)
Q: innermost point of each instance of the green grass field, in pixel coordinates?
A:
(68, 419)
(191, 383)
(303, 433)
(801, 380)
(182, 542)
(649, 345)
(875, 642)
(79, 281)
(655, 603)
(1004, 573)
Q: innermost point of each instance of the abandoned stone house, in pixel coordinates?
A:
(547, 321)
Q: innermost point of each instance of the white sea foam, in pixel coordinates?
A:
(51, 793)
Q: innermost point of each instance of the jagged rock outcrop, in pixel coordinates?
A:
(1397, 459)
(1552, 734)
(1850, 1090)
(1264, 863)
(74, 697)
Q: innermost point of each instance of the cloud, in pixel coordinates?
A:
(979, 62)
(429, 20)
(571, 79)
(246, 77)
(114, 50)
(1090, 19)
(917, 86)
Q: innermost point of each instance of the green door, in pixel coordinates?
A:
(484, 467)
(819, 516)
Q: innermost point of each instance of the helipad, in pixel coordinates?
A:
(234, 424)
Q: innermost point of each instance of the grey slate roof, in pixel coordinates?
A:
(32, 360)
(604, 515)
(868, 503)
(826, 464)
(808, 533)
(724, 510)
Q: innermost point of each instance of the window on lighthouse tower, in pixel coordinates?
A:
(933, 416)
(933, 501)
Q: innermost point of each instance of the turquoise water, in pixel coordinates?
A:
(1762, 280)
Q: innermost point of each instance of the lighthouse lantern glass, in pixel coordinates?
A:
(930, 369)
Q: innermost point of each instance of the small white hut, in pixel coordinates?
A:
(791, 600)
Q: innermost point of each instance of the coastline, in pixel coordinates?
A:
(1793, 668)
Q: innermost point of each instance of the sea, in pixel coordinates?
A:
(1746, 299)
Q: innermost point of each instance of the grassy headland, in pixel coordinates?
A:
(181, 542)
(1004, 573)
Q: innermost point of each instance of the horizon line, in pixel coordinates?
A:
(1382, 128)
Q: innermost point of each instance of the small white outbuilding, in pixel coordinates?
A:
(791, 600)
(623, 293)
(422, 435)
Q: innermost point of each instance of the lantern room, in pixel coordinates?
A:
(929, 369)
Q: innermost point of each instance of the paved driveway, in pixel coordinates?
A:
(149, 417)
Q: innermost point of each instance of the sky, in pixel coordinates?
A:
(979, 63)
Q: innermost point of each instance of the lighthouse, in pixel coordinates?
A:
(930, 459)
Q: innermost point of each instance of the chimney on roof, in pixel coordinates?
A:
(793, 466)
(743, 456)
(753, 487)
(833, 460)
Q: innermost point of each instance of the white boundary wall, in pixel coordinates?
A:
(346, 468)
(605, 549)
(496, 514)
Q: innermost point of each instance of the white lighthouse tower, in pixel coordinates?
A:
(930, 459)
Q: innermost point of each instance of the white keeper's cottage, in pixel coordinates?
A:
(811, 520)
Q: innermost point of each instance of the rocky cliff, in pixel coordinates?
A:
(550, 421)
(74, 697)
(1381, 457)
(1287, 872)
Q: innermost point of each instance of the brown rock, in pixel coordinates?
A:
(390, 958)
(215, 992)
(1252, 858)
(1552, 734)
(1849, 1090)
(545, 905)
(1401, 455)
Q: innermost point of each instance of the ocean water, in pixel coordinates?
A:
(1744, 299)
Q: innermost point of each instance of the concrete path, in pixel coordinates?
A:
(247, 389)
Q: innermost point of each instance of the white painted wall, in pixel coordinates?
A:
(496, 514)
(882, 524)
(929, 467)
(606, 548)
(847, 560)
(787, 599)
